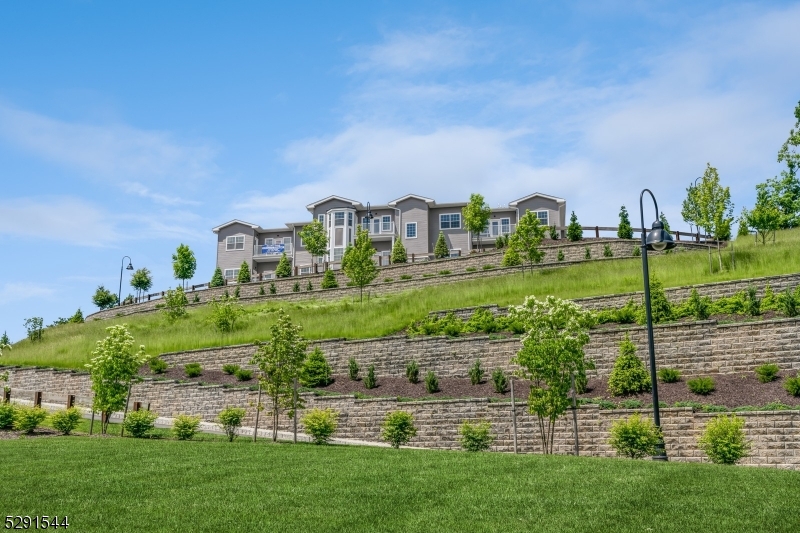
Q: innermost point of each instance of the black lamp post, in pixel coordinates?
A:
(369, 217)
(657, 240)
(129, 267)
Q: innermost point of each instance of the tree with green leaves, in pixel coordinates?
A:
(551, 354)
(476, 215)
(624, 231)
(357, 262)
(765, 218)
(184, 263)
(280, 361)
(315, 239)
(574, 230)
(5, 340)
(103, 298)
(142, 281)
(785, 191)
(113, 368)
(175, 303)
(527, 238)
(284, 268)
(715, 209)
(440, 251)
(399, 254)
(244, 273)
(329, 280)
(217, 280)
(511, 258)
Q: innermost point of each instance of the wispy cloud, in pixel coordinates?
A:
(17, 291)
(132, 187)
(57, 220)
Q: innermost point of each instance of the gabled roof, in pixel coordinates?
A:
(312, 205)
(407, 196)
(540, 195)
(234, 221)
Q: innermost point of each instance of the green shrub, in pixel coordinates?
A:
(574, 230)
(511, 258)
(157, 365)
(243, 374)
(273, 289)
(444, 272)
(697, 306)
(499, 381)
(225, 312)
(767, 373)
(723, 440)
(184, 427)
(369, 381)
(352, 369)
(412, 372)
(553, 232)
(604, 404)
(628, 313)
(406, 276)
(175, 303)
(669, 375)
(329, 280)
(388, 280)
(560, 255)
(587, 254)
(629, 375)
(230, 368)
(428, 275)
(196, 298)
(697, 406)
(607, 251)
(431, 382)
(471, 269)
(7, 411)
(631, 404)
(192, 370)
(476, 373)
(321, 424)
(66, 420)
(487, 267)
(660, 307)
(634, 437)
(482, 320)
(230, 419)
(398, 428)
(27, 419)
(296, 286)
(475, 437)
(792, 386)
(788, 302)
(237, 292)
(752, 302)
(637, 251)
(316, 371)
(776, 406)
(701, 386)
(261, 291)
(139, 423)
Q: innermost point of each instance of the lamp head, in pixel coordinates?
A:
(658, 239)
(129, 267)
(369, 212)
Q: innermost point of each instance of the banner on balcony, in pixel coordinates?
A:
(273, 249)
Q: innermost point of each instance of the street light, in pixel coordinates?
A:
(129, 267)
(657, 240)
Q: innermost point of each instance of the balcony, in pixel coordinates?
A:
(271, 252)
(378, 228)
(496, 230)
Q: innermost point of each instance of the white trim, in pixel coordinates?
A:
(457, 250)
(536, 194)
(545, 211)
(233, 271)
(312, 205)
(405, 234)
(407, 196)
(235, 242)
(234, 221)
(449, 215)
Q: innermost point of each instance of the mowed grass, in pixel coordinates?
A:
(112, 484)
(70, 345)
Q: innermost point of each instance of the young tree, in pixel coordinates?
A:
(329, 280)
(113, 368)
(574, 231)
(624, 231)
(398, 252)
(284, 268)
(440, 251)
(217, 280)
(184, 264)
(690, 209)
(175, 303)
(4, 340)
(315, 239)
(280, 360)
(785, 191)
(103, 298)
(244, 273)
(715, 208)
(764, 218)
(527, 238)
(142, 281)
(357, 261)
(552, 352)
(476, 215)
(664, 222)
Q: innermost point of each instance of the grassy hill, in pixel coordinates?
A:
(69, 345)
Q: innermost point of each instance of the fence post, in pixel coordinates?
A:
(137, 406)
(6, 394)
(70, 401)
(412, 258)
(37, 399)
(125, 414)
(597, 232)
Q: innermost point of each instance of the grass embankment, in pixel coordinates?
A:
(70, 345)
(139, 485)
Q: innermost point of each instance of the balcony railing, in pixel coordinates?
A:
(272, 250)
(379, 227)
(496, 230)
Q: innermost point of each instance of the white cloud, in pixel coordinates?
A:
(57, 220)
(17, 291)
(132, 187)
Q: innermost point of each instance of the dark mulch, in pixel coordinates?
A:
(721, 319)
(207, 376)
(449, 388)
(6, 434)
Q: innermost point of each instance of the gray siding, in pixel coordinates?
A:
(324, 207)
(234, 258)
(413, 210)
(538, 203)
(456, 238)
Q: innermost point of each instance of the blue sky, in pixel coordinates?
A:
(127, 128)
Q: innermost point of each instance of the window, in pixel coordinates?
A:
(268, 275)
(542, 216)
(456, 252)
(305, 270)
(338, 253)
(234, 243)
(338, 219)
(450, 221)
(231, 273)
(321, 219)
(365, 223)
(268, 242)
(349, 218)
(505, 226)
(287, 240)
(411, 230)
(386, 224)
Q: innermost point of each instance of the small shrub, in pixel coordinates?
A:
(475, 437)
(699, 307)
(230, 368)
(431, 382)
(230, 419)
(406, 276)
(444, 272)
(560, 255)
(316, 371)
(482, 320)
(752, 302)
(196, 298)
(635, 437)
(27, 419)
(261, 291)
(587, 253)
(66, 420)
(398, 428)
(7, 411)
(776, 406)
(184, 427)
(352, 369)
(607, 252)
(487, 267)
(192, 370)
(412, 372)
(296, 286)
(428, 275)
(628, 313)
(701, 386)
(553, 232)
(243, 374)
(637, 251)
(631, 404)
(329, 280)
(321, 424)
(369, 381)
(388, 280)
(723, 440)
(788, 302)
(669, 375)
(767, 373)
(139, 423)
(792, 386)
(476, 373)
(272, 288)
(499, 381)
(157, 365)
(471, 269)
(309, 286)
(237, 293)
(629, 375)
(225, 312)
(175, 303)
(511, 258)
(604, 404)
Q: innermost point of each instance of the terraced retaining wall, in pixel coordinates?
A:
(774, 435)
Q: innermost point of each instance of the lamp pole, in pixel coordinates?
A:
(657, 240)
(129, 267)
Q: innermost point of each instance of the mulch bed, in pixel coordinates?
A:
(8, 434)
(399, 386)
(216, 377)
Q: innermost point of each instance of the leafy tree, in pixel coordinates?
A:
(284, 268)
(527, 238)
(175, 303)
(244, 273)
(357, 261)
(280, 360)
(103, 298)
(743, 230)
(399, 252)
(142, 281)
(184, 263)
(329, 280)
(113, 368)
(34, 326)
(764, 218)
(709, 205)
(664, 221)
(476, 215)
(217, 280)
(624, 231)
(552, 352)
(690, 209)
(77, 318)
(225, 312)
(784, 192)
(440, 251)
(574, 231)
(315, 238)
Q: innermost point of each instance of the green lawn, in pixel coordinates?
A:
(70, 345)
(117, 484)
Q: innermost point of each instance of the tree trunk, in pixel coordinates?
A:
(274, 419)
(719, 254)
